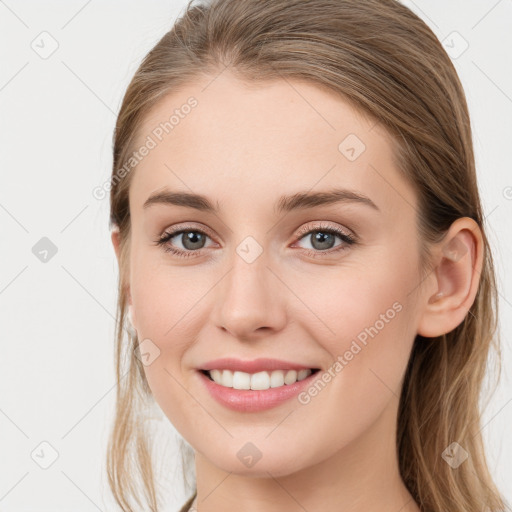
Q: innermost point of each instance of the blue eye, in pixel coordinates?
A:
(191, 239)
(322, 238)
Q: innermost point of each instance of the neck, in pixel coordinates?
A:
(361, 476)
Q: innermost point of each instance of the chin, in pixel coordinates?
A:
(249, 461)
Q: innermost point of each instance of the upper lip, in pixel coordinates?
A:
(253, 366)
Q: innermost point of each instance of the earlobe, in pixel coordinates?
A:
(115, 236)
(456, 278)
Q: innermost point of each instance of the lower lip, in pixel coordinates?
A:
(249, 400)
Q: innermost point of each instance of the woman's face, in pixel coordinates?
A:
(265, 275)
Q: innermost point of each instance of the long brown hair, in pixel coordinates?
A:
(387, 63)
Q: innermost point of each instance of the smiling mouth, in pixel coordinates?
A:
(257, 381)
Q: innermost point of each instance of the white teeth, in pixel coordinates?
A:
(227, 378)
(277, 379)
(290, 377)
(303, 374)
(241, 380)
(258, 381)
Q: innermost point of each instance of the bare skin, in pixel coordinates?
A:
(244, 147)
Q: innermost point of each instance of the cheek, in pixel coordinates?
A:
(352, 298)
(165, 297)
(365, 320)
(165, 300)
(168, 304)
(369, 350)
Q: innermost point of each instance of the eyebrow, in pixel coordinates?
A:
(298, 201)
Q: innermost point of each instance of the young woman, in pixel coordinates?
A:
(303, 261)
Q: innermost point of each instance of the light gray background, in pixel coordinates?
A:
(57, 317)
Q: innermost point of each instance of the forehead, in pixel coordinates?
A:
(252, 142)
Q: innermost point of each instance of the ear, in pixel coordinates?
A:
(115, 237)
(453, 284)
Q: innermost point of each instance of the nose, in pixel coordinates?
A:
(250, 301)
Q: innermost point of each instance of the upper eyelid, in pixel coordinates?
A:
(179, 228)
(323, 225)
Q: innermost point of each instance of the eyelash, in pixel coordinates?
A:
(348, 240)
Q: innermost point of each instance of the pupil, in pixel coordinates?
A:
(323, 240)
(192, 240)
